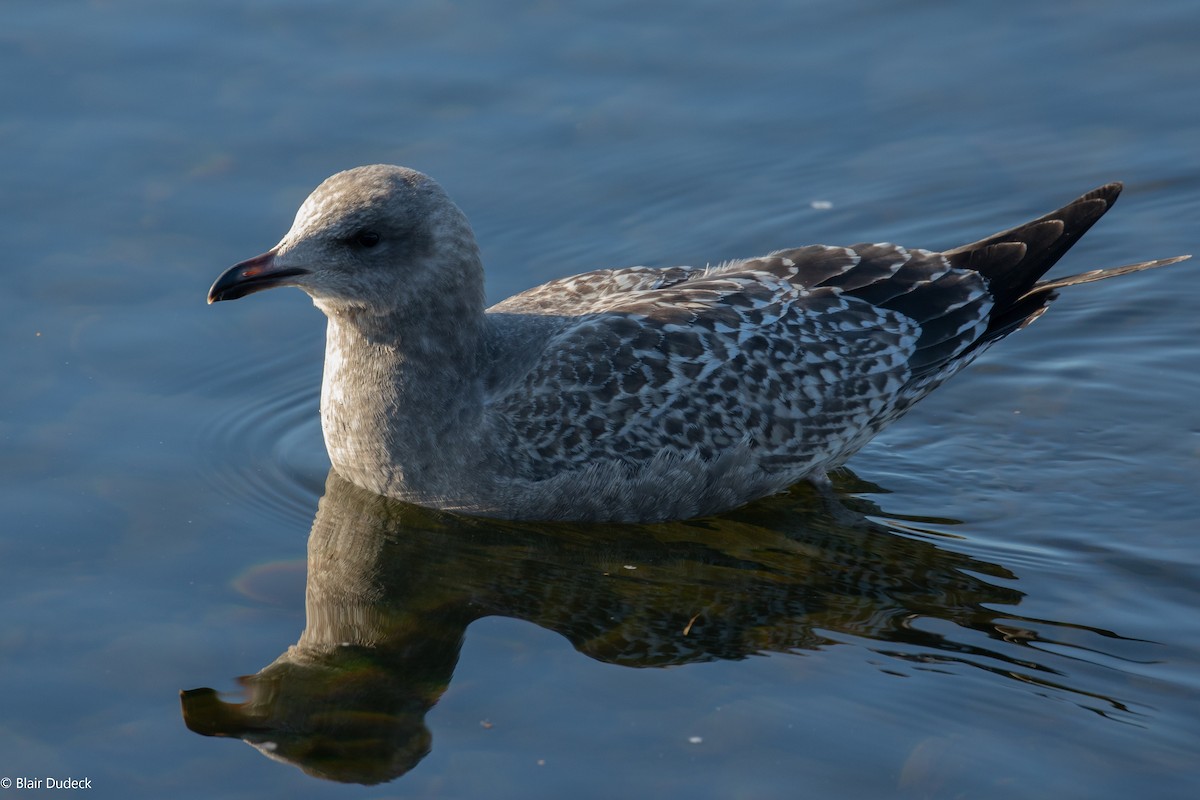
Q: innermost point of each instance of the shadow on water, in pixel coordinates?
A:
(392, 588)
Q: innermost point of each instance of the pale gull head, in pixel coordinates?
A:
(373, 239)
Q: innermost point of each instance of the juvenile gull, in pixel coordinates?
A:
(634, 394)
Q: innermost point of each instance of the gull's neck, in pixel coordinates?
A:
(402, 395)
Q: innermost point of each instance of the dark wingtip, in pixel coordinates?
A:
(1109, 192)
(1046, 238)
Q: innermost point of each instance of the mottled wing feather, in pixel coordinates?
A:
(950, 305)
(580, 294)
(806, 353)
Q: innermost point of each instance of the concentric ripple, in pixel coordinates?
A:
(263, 450)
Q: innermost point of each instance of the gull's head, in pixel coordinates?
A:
(374, 239)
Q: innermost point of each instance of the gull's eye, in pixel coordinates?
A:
(366, 239)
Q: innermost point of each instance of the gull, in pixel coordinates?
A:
(636, 394)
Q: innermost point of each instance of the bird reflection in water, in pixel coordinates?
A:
(392, 588)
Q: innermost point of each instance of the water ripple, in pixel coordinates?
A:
(265, 452)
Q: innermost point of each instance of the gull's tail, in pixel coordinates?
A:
(1014, 260)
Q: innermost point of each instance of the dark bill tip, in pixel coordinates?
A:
(250, 276)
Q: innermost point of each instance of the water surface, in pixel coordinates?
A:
(1019, 621)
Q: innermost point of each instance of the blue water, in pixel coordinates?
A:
(1021, 623)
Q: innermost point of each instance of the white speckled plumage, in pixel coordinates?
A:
(630, 394)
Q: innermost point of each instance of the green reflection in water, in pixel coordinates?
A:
(392, 588)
